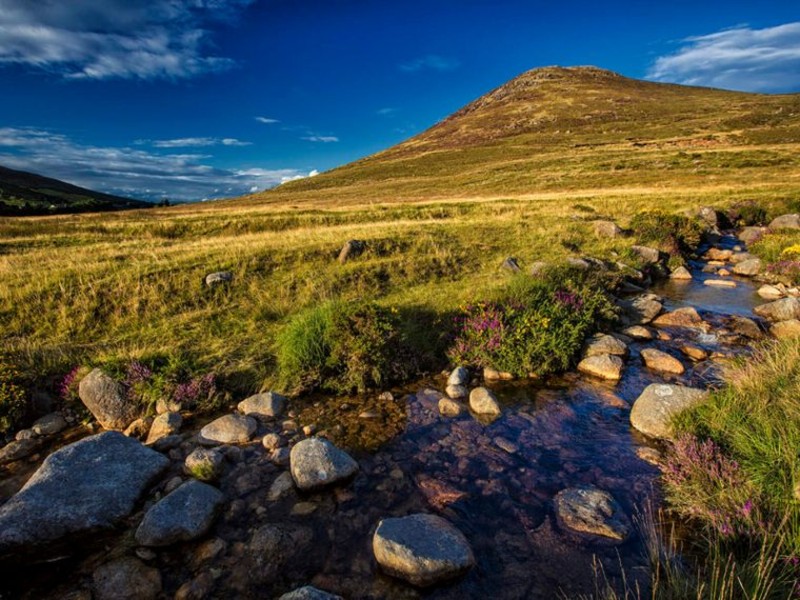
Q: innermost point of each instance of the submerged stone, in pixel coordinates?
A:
(589, 510)
(316, 462)
(658, 404)
(603, 366)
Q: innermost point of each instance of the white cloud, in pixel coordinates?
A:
(87, 39)
(266, 120)
(193, 142)
(431, 62)
(386, 112)
(131, 172)
(757, 60)
(325, 139)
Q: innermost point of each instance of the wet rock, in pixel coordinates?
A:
(126, 578)
(723, 273)
(779, 310)
(204, 464)
(456, 391)
(49, 424)
(24, 434)
(744, 326)
(271, 441)
(785, 329)
(739, 257)
(641, 310)
(606, 229)
(658, 404)
(316, 462)
(219, 278)
(163, 425)
(650, 455)
(267, 404)
(748, 268)
(229, 429)
(603, 366)
(165, 405)
(450, 408)
(661, 361)
(302, 509)
(605, 344)
(511, 264)
(726, 283)
(589, 510)
(309, 593)
(199, 588)
(686, 317)
(459, 376)
(185, 514)
(791, 221)
(83, 488)
(282, 485)
(719, 254)
(482, 401)
(750, 235)
(647, 254)
(140, 428)
(709, 216)
(506, 445)
(422, 549)
(351, 249)
(638, 332)
(770, 292)
(681, 274)
(694, 352)
(19, 449)
(279, 457)
(107, 400)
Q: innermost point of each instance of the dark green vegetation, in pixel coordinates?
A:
(24, 193)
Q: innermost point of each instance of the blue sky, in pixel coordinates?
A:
(195, 99)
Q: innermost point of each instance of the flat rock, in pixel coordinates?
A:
(185, 514)
(126, 578)
(603, 366)
(638, 332)
(605, 344)
(589, 510)
(450, 408)
(459, 376)
(654, 409)
(316, 462)
(229, 429)
(661, 361)
(791, 221)
(482, 401)
(422, 549)
(267, 404)
(785, 329)
(165, 424)
(770, 292)
(218, 278)
(718, 254)
(107, 400)
(694, 352)
(81, 489)
(779, 310)
(726, 283)
(681, 274)
(309, 593)
(640, 310)
(686, 317)
(748, 268)
(49, 424)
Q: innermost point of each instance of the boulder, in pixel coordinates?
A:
(739, 257)
(185, 514)
(267, 404)
(316, 462)
(49, 424)
(351, 249)
(456, 391)
(770, 292)
(219, 278)
(647, 254)
(750, 235)
(459, 376)
(126, 578)
(658, 404)
(779, 310)
(163, 425)
(785, 329)
(709, 216)
(482, 401)
(107, 400)
(589, 510)
(605, 344)
(640, 310)
(578, 263)
(205, 464)
(422, 549)
(638, 332)
(606, 229)
(82, 489)
(661, 361)
(748, 268)
(744, 326)
(718, 254)
(681, 274)
(603, 366)
(450, 408)
(791, 221)
(309, 593)
(687, 317)
(228, 429)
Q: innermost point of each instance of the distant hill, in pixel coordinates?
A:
(559, 130)
(24, 193)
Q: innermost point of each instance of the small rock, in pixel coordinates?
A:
(694, 352)
(218, 278)
(163, 425)
(309, 430)
(280, 457)
(770, 292)
(506, 445)
(271, 441)
(641, 310)
(229, 429)
(459, 376)
(24, 434)
(386, 397)
(744, 326)
(748, 268)
(456, 391)
(687, 317)
(140, 428)
(302, 509)
(369, 414)
(422, 549)
(779, 310)
(204, 464)
(267, 404)
(538, 268)
(589, 510)
(283, 483)
(739, 257)
(605, 344)
(718, 254)
(165, 405)
(791, 221)
(606, 229)
(650, 455)
(511, 264)
(750, 235)
(647, 254)
(126, 578)
(107, 400)
(482, 401)
(723, 273)
(727, 283)
(785, 329)
(351, 249)
(638, 332)
(579, 263)
(490, 374)
(316, 462)
(309, 593)
(49, 424)
(19, 449)
(199, 588)
(450, 408)
(603, 366)
(173, 484)
(658, 404)
(681, 274)
(661, 361)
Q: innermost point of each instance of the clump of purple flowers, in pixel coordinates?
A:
(786, 268)
(195, 390)
(568, 299)
(67, 385)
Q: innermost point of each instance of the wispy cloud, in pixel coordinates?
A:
(267, 120)
(193, 142)
(132, 172)
(431, 62)
(325, 139)
(386, 112)
(742, 58)
(87, 39)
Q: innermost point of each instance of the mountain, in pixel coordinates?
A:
(23, 193)
(580, 130)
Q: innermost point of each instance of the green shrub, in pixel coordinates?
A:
(534, 326)
(675, 234)
(342, 347)
(13, 398)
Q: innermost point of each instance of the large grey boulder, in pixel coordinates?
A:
(658, 404)
(126, 578)
(482, 401)
(647, 254)
(309, 593)
(107, 400)
(185, 514)
(228, 429)
(267, 404)
(640, 310)
(422, 549)
(316, 462)
(748, 268)
(791, 221)
(81, 489)
(779, 310)
(589, 510)
(605, 344)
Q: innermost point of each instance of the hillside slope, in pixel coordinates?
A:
(28, 193)
(560, 129)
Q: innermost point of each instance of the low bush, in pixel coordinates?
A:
(674, 234)
(534, 326)
(13, 397)
(342, 347)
